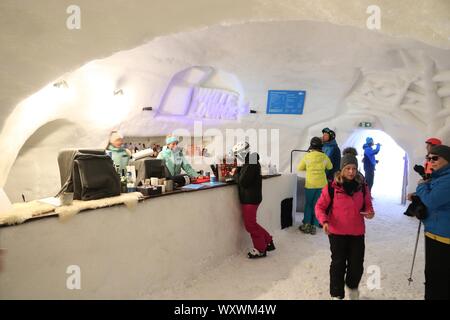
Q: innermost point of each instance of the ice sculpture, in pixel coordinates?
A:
(417, 94)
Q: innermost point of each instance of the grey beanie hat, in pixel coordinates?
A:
(350, 150)
(349, 159)
(442, 151)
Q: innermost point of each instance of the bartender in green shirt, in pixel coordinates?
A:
(174, 158)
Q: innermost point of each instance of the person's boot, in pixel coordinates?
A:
(255, 253)
(312, 230)
(353, 294)
(305, 228)
(336, 298)
(270, 246)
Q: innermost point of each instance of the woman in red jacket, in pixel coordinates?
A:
(342, 217)
(430, 144)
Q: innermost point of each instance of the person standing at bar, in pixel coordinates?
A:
(249, 180)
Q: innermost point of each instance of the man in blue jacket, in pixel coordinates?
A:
(434, 193)
(331, 149)
(369, 161)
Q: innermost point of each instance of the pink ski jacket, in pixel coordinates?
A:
(345, 216)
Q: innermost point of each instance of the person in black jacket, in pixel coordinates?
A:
(248, 178)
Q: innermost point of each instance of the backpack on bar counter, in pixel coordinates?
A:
(92, 177)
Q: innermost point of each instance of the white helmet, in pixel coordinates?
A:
(240, 147)
(240, 150)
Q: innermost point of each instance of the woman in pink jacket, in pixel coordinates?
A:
(342, 217)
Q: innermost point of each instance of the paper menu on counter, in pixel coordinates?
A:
(213, 184)
(192, 187)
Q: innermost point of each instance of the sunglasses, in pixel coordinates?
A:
(433, 158)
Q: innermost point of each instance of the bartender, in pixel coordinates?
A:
(175, 161)
(119, 154)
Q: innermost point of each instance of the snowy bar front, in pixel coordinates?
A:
(122, 254)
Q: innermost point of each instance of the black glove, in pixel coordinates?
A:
(416, 209)
(420, 170)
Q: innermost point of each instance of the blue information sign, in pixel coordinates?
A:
(285, 102)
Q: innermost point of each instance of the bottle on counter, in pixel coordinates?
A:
(123, 182)
(131, 179)
(269, 169)
(274, 169)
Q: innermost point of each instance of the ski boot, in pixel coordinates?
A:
(254, 254)
(305, 228)
(270, 246)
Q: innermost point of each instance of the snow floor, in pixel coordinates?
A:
(299, 268)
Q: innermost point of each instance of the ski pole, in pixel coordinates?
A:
(414, 256)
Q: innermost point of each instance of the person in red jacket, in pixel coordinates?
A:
(430, 144)
(342, 217)
(426, 170)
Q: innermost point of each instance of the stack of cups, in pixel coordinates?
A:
(161, 183)
(154, 181)
(168, 184)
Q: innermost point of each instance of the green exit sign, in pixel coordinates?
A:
(365, 124)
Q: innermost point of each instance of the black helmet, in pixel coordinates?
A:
(331, 133)
(316, 144)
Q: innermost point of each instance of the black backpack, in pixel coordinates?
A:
(92, 177)
(286, 213)
(331, 194)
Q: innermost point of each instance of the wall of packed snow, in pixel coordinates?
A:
(350, 75)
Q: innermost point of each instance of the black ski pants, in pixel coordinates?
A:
(437, 270)
(347, 259)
